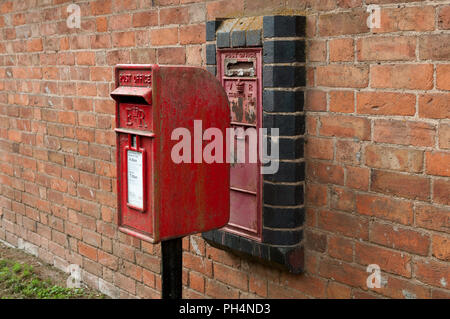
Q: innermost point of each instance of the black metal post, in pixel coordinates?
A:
(172, 268)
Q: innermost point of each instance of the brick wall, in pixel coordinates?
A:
(378, 149)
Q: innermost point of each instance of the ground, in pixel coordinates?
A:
(23, 276)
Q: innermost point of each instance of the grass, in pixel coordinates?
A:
(19, 281)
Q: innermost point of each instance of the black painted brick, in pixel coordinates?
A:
(283, 101)
(283, 217)
(282, 237)
(254, 38)
(212, 69)
(284, 51)
(282, 195)
(211, 27)
(289, 148)
(284, 26)
(289, 172)
(238, 39)
(210, 54)
(284, 76)
(291, 257)
(223, 39)
(288, 125)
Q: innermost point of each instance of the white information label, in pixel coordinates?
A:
(135, 179)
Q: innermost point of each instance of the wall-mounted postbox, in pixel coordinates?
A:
(240, 73)
(161, 197)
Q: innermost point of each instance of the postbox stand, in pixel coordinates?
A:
(172, 268)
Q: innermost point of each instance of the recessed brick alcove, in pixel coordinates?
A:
(283, 80)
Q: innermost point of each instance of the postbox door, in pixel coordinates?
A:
(239, 70)
(135, 151)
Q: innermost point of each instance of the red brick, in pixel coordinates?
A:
(402, 76)
(420, 18)
(198, 264)
(100, 7)
(386, 48)
(403, 289)
(257, 286)
(218, 290)
(108, 260)
(433, 47)
(196, 282)
(441, 191)
(384, 103)
(358, 178)
(345, 224)
(194, 55)
(145, 19)
(193, 34)
(404, 132)
(385, 208)
(101, 74)
(432, 272)
(123, 39)
(437, 163)
(177, 15)
(400, 238)
(316, 100)
(34, 45)
(435, 106)
(125, 283)
(85, 58)
(119, 22)
(340, 248)
(388, 260)
(172, 55)
(316, 194)
(408, 186)
(336, 75)
(341, 50)
(343, 272)
(345, 126)
(342, 199)
(224, 8)
(164, 36)
(338, 291)
(222, 256)
(276, 291)
(87, 251)
(441, 247)
(342, 101)
(312, 286)
(431, 217)
(408, 160)
(443, 76)
(319, 148)
(315, 241)
(440, 294)
(348, 151)
(444, 18)
(230, 276)
(317, 51)
(326, 173)
(343, 23)
(101, 24)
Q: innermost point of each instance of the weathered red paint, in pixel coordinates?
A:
(179, 199)
(240, 72)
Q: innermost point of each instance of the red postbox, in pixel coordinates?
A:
(159, 198)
